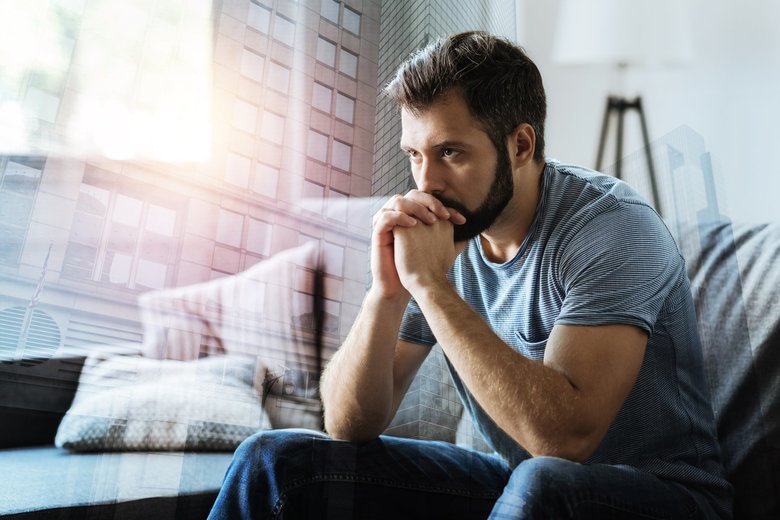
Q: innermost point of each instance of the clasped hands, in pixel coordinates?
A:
(412, 244)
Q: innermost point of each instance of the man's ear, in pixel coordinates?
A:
(522, 144)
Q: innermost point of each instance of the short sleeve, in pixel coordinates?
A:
(414, 326)
(619, 267)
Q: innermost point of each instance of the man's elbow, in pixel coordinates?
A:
(575, 448)
(344, 429)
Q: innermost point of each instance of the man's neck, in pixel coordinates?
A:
(504, 238)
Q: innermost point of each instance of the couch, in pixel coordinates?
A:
(736, 288)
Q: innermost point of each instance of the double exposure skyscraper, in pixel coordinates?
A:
(162, 144)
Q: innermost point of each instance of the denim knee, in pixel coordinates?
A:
(265, 449)
(542, 475)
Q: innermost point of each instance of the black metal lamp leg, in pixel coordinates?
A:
(604, 128)
(649, 158)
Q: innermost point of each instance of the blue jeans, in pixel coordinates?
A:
(298, 474)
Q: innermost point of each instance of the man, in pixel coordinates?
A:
(561, 303)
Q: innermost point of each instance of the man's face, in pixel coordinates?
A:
(453, 159)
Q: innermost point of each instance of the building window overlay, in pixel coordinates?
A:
(314, 193)
(245, 116)
(259, 18)
(345, 108)
(266, 180)
(122, 239)
(278, 77)
(252, 65)
(272, 129)
(317, 146)
(341, 155)
(321, 97)
(237, 170)
(330, 10)
(326, 52)
(19, 181)
(337, 205)
(258, 238)
(348, 63)
(284, 30)
(351, 21)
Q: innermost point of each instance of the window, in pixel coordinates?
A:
(326, 52)
(19, 181)
(321, 97)
(337, 205)
(334, 258)
(230, 228)
(252, 65)
(345, 108)
(278, 77)
(315, 193)
(42, 104)
(266, 180)
(125, 239)
(348, 63)
(317, 146)
(237, 170)
(245, 116)
(151, 274)
(341, 156)
(330, 10)
(259, 18)
(284, 30)
(351, 21)
(127, 210)
(258, 239)
(273, 128)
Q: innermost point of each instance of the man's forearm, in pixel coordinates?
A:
(358, 384)
(534, 404)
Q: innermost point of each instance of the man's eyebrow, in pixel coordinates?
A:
(450, 144)
(438, 146)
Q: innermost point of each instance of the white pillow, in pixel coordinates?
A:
(135, 403)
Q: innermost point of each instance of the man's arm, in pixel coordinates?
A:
(561, 407)
(366, 379)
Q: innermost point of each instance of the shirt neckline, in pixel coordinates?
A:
(540, 205)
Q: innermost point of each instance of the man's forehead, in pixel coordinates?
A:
(438, 124)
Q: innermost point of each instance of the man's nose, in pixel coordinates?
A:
(429, 177)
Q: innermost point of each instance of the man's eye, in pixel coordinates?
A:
(449, 152)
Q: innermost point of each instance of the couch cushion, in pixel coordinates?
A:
(49, 482)
(266, 312)
(735, 275)
(133, 403)
(259, 312)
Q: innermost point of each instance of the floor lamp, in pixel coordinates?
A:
(623, 34)
(618, 106)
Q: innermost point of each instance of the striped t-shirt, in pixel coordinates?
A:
(597, 253)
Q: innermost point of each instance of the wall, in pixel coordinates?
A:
(727, 95)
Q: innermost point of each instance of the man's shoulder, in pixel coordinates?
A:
(589, 185)
(575, 195)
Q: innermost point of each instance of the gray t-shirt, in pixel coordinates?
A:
(597, 254)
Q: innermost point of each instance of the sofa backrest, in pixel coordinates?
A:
(735, 277)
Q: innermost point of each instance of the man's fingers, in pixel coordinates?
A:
(386, 219)
(456, 217)
(430, 202)
(416, 205)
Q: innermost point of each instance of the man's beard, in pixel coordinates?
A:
(498, 197)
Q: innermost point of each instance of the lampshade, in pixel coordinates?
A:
(622, 32)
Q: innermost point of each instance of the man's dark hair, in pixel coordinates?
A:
(501, 85)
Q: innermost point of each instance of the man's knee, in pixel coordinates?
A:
(266, 449)
(543, 476)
